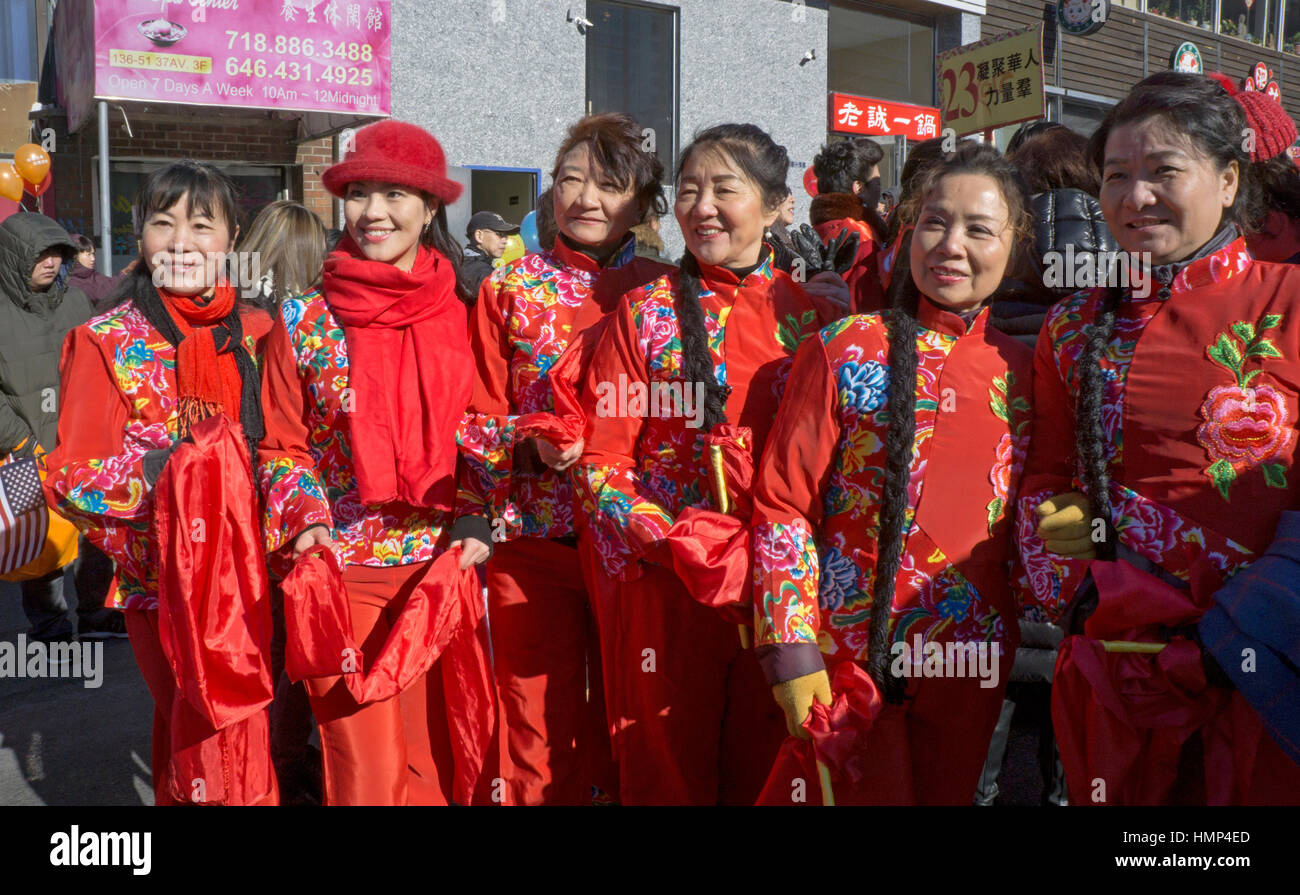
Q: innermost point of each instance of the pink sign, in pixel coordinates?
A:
(304, 55)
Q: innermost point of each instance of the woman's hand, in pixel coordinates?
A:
(472, 552)
(555, 458)
(317, 534)
(831, 286)
(1065, 525)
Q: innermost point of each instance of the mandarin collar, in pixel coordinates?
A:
(1220, 264)
(571, 257)
(949, 323)
(721, 276)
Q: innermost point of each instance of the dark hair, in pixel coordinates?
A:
(83, 243)
(920, 157)
(767, 164)
(1028, 131)
(871, 151)
(1056, 158)
(210, 192)
(546, 227)
(1279, 185)
(615, 143)
(435, 236)
(904, 298)
(840, 163)
(1200, 110)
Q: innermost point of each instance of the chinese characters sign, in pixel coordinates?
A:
(305, 55)
(993, 83)
(860, 115)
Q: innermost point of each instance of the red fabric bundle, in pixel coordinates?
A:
(441, 620)
(214, 619)
(710, 550)
(409, 361)
(1122, 719)
(840, 741)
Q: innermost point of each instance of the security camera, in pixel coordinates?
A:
(808, 57)
(583, 24)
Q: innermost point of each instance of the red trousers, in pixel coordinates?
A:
(393, 752)
(142, 628)
(544, 643)
(692, 718)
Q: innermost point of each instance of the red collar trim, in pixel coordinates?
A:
(941, 320)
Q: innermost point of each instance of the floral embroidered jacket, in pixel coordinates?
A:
(638, 472)
(119, 400)
(818, 493)
(1200, 418)
(306, 472)
(528, 312)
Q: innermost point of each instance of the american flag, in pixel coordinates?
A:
(24, 519)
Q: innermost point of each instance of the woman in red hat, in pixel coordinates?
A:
(148, 388)
(526, 315)
(364, 389)
(1161, 480)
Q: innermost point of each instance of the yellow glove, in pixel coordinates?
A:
(1065, 525)
(795, 697)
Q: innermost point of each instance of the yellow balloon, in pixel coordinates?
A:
(514, 249)
(32, 162)
(11, 185)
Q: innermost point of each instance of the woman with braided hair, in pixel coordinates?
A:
(882, 506)
(1162, 467)
(694, 362)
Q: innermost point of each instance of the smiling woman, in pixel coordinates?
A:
(1176, 411)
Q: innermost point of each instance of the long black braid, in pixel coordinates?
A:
(899, 445)
(1089, 435)
(697, 360)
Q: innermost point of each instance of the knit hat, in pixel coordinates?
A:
(1273, 128)
(394, 152)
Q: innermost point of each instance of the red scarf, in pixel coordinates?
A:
(410, 367)
(208, 382)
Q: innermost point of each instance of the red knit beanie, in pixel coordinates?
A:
(394, 152)
(1273, 128)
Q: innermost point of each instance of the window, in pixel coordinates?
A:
(1199, 13)
(1255, 21)
(880, 56)
(18, 61)
(1291, 43)
(632, 68)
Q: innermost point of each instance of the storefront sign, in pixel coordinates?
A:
(1082, 17)
(881, 118)
(993, 83)
(305, 55)
(1261, 76)
(1274, 90)
(1187, 58)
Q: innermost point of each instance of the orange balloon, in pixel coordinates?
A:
(32, 162)
(11, 185)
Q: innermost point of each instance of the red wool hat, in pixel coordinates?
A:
(1273, 128)
(394, 152)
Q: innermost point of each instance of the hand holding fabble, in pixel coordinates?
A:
(795, 697)
(557, 459)
(317, 534)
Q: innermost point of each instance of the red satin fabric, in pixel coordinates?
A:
(1127, 724)
(410, 364)
(439, 617)
(214, 619)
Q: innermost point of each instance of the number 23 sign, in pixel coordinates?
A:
(993, 83)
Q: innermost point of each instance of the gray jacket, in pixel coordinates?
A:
(32, 327)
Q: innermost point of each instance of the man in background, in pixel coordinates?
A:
(486, 235)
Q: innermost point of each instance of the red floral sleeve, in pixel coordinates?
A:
(627, 522)
(792, 479)
(291, 488)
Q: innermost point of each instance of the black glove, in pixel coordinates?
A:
(818, 257)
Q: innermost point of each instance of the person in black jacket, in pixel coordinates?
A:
(487, 232)
(38, 307)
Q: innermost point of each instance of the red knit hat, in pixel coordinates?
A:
(1273, 128)
(394, 152)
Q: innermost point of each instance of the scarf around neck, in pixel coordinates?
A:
(410, 368)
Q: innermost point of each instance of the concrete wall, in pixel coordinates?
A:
(502, 89)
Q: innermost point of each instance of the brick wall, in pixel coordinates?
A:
(207, 134)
